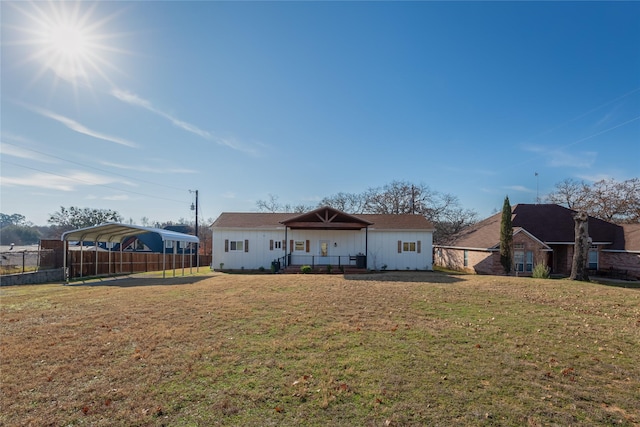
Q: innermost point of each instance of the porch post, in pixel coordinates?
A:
(285, 246)
(366, 247)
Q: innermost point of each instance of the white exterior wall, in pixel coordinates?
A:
(258, 255)
(383, 250)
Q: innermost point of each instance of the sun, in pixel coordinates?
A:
(68, 39)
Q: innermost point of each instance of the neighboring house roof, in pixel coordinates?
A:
(548, 223)
(631, 237)
(256, 220)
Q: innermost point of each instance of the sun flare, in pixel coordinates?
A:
(68, 39)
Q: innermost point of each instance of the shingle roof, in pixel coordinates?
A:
(631, 237)
(274, 220)
(548, 223)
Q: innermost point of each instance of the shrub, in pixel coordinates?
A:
(541, 271)
(305, 269)
(329, 268)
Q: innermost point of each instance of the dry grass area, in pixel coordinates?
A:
(385, 349)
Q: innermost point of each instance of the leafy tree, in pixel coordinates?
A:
(13, 219)
(74, 217)
(19, 234)
(607, 199)
(506, 237)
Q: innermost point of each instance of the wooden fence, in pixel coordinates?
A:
(128, 262)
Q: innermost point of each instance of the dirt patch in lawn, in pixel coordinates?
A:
(394, 348)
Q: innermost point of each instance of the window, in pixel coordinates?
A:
(529, 265)
(277, 244)
(523, 261)
(299, 245)
(408, 246)
(593, 258)
(466, 258)
(168, 244)
(236, 246)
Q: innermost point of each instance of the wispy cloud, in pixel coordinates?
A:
(595, 178)
(135, 100)
(69, 182)
(13, 150)
(147, 169)
(80, 128)
(117, 197)
(520, 188)
(558, 157)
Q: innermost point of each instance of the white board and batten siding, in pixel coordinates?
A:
(259, 248)
(400, 250)
(392, 242)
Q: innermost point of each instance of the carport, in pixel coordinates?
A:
(116, 233)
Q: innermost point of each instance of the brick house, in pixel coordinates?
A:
(542, 234)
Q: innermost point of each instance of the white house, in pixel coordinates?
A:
(325, 236)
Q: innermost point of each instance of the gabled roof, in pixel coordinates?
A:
(631, 237)
(326, 218)
(547, 223)
(114, 232)
(322, 218)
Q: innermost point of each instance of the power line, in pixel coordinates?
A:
(94, 168)
(91, 183)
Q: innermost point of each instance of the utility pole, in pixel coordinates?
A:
(195, 207)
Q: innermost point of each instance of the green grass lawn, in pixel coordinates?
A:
(395, 349)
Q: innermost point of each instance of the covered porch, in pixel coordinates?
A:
(325, 238)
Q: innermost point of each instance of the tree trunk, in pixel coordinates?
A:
(579, 269)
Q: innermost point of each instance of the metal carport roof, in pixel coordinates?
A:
(115, 232)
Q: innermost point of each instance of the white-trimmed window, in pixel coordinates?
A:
(277, 244)
(299, 245)
(523, 261)
(408, 246)
(593, 258)
(236, 246)
(466, 258)
(168, 244)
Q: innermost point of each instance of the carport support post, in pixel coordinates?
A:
(164, 250)
(173, 258)
(95, 245)
(81, 245)
(65, 274)
(183, 261)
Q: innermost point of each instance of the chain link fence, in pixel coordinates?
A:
(21, 260)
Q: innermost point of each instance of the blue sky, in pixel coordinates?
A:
(129, 105)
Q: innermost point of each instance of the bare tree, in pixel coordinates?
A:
(272, 206)
(569, 193)
(607, 199)
(346, 202)
(398, 197)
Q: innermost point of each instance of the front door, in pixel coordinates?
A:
(324, 251)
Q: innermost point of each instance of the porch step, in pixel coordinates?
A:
(322, 269)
